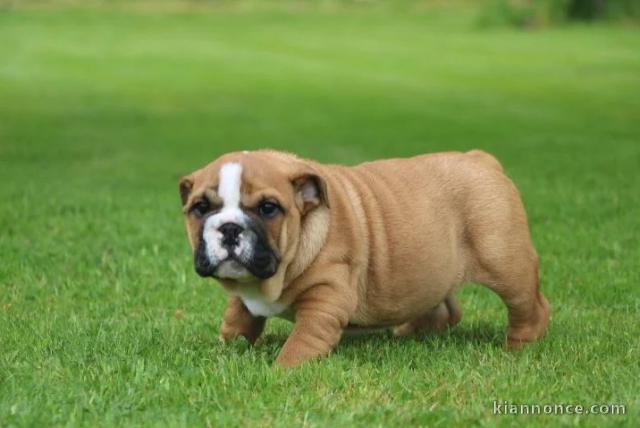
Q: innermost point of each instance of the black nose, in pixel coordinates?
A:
(230, 233)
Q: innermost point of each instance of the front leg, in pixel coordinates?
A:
(320, 318)
(238, 321)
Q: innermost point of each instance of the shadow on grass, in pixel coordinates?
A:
(481, 334)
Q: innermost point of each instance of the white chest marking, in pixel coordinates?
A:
(259, 306)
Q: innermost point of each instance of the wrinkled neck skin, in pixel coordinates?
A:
(308, 241)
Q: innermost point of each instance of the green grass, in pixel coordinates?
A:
(102, 110)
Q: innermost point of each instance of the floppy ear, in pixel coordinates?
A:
(311, 192)
(186, 185)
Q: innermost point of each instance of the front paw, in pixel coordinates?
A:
(295, 353)
(288, 360)
(230, 332)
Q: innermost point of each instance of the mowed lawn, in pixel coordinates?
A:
(102, 318)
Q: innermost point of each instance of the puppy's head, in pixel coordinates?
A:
(245, 214)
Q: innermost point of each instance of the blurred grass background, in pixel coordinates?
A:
(532, 13)
(104, 105)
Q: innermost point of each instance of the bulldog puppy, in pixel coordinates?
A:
(381, 244)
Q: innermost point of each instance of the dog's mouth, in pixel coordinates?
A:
(261, 266)
(235, 252)
(233, 269)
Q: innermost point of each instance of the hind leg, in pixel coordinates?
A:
(528, 310)
(447, 314)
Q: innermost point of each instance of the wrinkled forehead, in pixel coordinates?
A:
(242, 173)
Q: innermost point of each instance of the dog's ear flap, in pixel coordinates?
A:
(311, 191)
(186, 185)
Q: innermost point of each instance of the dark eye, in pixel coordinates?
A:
(200, 208)
(268, 209)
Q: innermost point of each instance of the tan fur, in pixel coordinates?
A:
(389, 245)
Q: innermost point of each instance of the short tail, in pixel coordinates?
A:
(486, 159)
